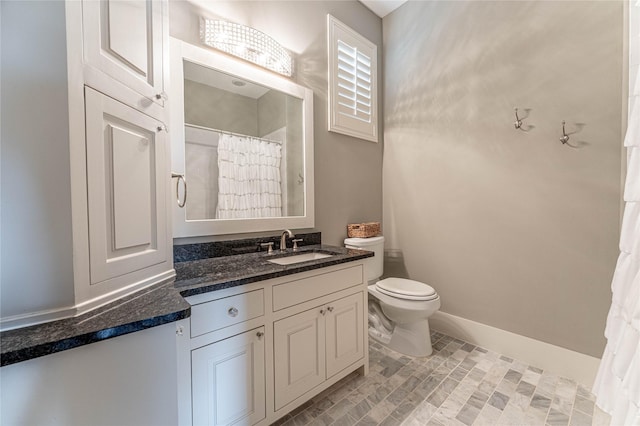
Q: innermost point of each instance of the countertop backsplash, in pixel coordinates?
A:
(199, 251)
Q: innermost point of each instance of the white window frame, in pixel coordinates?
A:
(362, 122)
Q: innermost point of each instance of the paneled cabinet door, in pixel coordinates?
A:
(299, 355)
(344, 328)
(126, 188)
(124, 39)
(228, 381)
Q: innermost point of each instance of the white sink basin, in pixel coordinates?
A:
(299, 258)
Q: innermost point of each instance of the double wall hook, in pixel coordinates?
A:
(518, 123)
(565, 138)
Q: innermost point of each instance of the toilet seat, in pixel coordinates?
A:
(406, 289)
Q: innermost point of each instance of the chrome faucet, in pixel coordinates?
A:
(283, 239)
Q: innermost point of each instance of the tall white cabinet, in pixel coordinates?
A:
(117, 52)
(86, 155)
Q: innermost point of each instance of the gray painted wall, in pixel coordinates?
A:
(272, 114)
(295, 155)
(37, 257)
(348, 171)
(512, 228)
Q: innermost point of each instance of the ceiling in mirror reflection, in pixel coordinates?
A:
(213, 78)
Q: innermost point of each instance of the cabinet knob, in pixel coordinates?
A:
(259, 334)
(233, 312)
(180, 330)
(162, 95)
(330, 308)
(323, 311)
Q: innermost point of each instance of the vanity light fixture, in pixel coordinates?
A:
(246, 43)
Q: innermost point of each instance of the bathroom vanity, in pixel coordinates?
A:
(253, 352)
(255, 340)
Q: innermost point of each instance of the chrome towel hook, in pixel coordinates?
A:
(518, 122)
(565, 138)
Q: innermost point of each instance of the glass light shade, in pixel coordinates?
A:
(246, 43)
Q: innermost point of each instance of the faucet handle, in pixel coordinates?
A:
(270, 245)
(295, 243)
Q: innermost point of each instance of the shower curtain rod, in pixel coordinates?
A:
(233, 134)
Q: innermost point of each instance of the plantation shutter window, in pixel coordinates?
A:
(353, 108)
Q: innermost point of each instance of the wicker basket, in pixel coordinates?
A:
(363, 230)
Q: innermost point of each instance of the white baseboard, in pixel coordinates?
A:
(554, 359)
(33, 318)
(40, 317)
(105, 299)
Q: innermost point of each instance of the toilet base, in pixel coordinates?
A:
(412, 339)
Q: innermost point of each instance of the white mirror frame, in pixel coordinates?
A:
(181, 51)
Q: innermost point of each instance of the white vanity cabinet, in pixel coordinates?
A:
(260, 350)
(314, 345)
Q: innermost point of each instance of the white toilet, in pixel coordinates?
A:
(399, 309)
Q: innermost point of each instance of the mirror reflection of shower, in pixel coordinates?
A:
(243, 147)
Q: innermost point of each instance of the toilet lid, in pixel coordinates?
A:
(406, 289)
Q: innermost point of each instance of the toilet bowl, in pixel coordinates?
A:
(398, 308)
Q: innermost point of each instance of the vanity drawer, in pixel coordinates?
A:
(295, 292)
(217, 314)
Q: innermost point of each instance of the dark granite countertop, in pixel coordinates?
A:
(205, 275)
(150, 307)
(159, 304)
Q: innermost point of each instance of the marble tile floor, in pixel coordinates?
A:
(459, 384)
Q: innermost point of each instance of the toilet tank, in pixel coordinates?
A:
(374, 264)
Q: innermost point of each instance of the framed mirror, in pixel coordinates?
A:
(243, 139)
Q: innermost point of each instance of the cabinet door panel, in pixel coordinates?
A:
(133, 158)
(126, 186)
(344, 333)
(228, 381)
(123, 39)
(299, 358)
(126, 26)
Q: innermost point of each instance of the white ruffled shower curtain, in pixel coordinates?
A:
(617, 385)
(249, 183)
